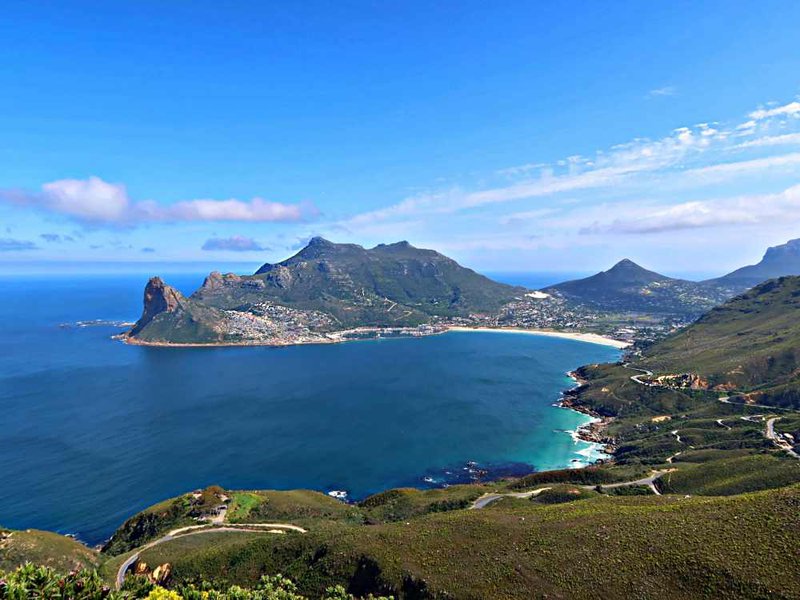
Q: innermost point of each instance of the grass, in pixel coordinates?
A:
(602, 546)
(297, 506)
(242, 504)
(405, 503)
(732, 475)
(44, 548)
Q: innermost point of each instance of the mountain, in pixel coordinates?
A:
(627, 287)
(325, 287)
(778, 261)
(750, 344)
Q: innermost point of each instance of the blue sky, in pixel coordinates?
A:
(514, 136)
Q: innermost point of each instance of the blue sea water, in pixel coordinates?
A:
(94, 430)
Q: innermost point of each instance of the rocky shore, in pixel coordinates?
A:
(595, 432)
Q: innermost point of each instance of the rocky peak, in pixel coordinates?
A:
(216, 281)
(790, 249)
(158, 297)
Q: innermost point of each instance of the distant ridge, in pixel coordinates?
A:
(628, 287)
(778, 261)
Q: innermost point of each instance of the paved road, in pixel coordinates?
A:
(636, 378)
(769, 433)
(273, 528)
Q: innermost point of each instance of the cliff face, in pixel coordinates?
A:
(158, 298)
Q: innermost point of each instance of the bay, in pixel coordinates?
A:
(94, 430)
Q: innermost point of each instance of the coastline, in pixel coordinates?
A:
(594, 431)
(591, 338)
(340, 337)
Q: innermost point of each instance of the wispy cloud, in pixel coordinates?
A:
(740, 210)
(772, 140)
(56, 237)
(236, 243)
(98, 202)
(667, 90)
(787, 110)
(12, 245)
(691, 156)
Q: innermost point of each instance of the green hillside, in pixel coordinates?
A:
(751, 345)
(592, 546)
(323, 288)
(44, 548)
(359, 286)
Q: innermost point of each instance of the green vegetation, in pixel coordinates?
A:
(406, 503)
(750, 345)
(296, 506)
(560, 494)
(587, 476)
(625, 546)
(242, 504)
(324, 287)
(43, 548)
(44, 583)
(732, 475)
(185, 510)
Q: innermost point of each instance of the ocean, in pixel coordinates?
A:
(94, 430)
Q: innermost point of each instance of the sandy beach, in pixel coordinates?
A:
(591, 338)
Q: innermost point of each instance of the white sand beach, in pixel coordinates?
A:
(592, 338)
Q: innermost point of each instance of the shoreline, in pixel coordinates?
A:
(591, 338)
(592, 432)
(337, 337)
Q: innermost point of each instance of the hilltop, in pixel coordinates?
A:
(628, 287)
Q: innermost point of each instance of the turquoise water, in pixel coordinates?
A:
(94, 430)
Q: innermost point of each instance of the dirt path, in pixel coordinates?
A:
(272, 528)
(488, 498)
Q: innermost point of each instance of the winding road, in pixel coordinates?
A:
(769, 433)
(488, 498)
(273, 528)
(636, 378)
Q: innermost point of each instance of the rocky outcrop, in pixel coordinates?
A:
(158, 298)
(216, 281)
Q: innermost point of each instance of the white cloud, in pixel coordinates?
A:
(772, 140)
(787, 110)
(89, 199)
(98, 202)
(729, 170)
(740, 210)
